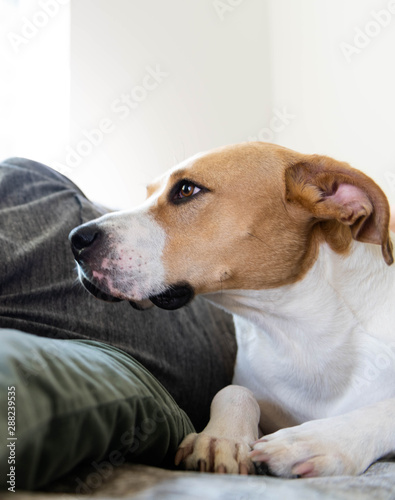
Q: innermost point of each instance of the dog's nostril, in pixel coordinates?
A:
(83, 238)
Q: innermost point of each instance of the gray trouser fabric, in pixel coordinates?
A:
(190, 351)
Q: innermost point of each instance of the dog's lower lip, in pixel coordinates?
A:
(173, 298)
(97, 292)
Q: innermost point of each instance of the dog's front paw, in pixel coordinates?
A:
(207, 453)
(307, 450)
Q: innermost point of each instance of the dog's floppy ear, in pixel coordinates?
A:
(331, 190)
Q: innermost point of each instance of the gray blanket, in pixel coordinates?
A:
(149, 483)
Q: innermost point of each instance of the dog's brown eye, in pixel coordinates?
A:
(187, 190)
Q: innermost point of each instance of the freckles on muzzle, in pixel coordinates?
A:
(111, 262)
(123, 262)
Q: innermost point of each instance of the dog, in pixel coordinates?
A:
(298, 248)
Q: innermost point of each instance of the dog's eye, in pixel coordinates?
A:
(187, 190)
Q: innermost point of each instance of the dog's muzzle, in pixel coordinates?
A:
(86, 241)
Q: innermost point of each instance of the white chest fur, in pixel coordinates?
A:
(322, 346)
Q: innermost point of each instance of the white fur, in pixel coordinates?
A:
(317, 348)
(319, 357)
(131, 266)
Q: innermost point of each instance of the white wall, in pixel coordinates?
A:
(343, 98)
(217, 88)
(278, 70)
(34, 83)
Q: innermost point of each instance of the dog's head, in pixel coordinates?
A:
(249, 216)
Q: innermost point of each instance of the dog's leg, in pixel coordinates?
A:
(341, 445)
(224, 445)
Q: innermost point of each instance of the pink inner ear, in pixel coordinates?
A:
(350, 196)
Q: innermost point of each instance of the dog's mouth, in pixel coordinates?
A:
(173, 298)
(99, 294)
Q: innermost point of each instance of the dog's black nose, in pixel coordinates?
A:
(84, 238)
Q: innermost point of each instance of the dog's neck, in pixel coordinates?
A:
(338, 294)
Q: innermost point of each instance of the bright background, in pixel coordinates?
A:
(278, 70)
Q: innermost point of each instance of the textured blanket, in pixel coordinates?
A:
(143, 483)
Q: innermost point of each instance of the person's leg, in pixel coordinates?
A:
(190, 351)
(67, 402)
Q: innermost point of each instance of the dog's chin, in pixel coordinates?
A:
(174, 297)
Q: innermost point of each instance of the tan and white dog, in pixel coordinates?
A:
(297, 247)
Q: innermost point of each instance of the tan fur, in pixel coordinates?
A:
(261, 221)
